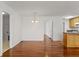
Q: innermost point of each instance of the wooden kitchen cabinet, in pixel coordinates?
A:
(73, 21)
(65, 40)
(77, 40)
(71, 40)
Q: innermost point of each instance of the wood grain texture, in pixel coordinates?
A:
(46, 48)
(26, 49)
(72, 21)
(71, 40)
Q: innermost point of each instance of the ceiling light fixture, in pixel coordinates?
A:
(3, 12)
(69, 17)
(35, 18)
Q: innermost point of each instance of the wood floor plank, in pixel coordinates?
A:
(46, 48)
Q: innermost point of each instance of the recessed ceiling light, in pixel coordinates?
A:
(3, 12)
(69, 17)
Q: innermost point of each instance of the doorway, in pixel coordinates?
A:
(6, 31)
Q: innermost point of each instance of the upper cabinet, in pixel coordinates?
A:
(74, 21)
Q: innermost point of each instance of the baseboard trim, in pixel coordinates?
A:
(6, 50)
(10, 48)
(32, 41)
(16, 44)
(48, 37)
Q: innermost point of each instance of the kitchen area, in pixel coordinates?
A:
(71, 32)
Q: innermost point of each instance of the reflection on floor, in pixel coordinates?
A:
(27, 49)
(48, 48)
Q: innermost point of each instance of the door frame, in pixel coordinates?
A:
(2, 30)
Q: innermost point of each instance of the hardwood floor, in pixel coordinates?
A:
(48, 48)
(27, 49)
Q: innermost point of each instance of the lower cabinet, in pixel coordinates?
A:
(71, 40)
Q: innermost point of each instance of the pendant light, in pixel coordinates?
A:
(35, 18)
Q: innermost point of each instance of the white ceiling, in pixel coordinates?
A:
(45, 8)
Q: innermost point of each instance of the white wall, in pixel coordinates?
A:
(0, 35)
(35, 32)
(49, 27)
(66, 21)
(57, 28)
(15, 26)
(54, 28)
(32, 31)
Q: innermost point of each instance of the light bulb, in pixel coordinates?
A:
(3, 12)
(36, 21)
(32, 21)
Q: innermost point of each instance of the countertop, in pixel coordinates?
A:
(71, 32)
